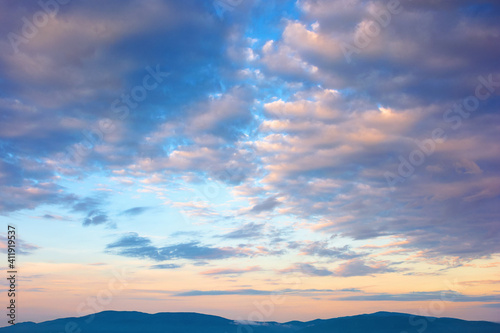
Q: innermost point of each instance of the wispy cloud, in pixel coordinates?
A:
(95, 217)
(447, 295)
(133, 245)
(358, 267)
(249, 230)
(22, 247)
(231, 271)
(251, 292)
(307, 269)
(166, 266)
(135, 211)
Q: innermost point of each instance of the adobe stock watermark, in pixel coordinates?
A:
(31, 27)
(120, 110)
(435, 308)
(212, 189)
(223, 6)
(99, 302)
(265, 309)
(454, 116)
(372, 29)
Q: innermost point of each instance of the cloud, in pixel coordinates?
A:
(95, 217)
(232, 271)
(307, 269)
(30, 195)
(241, 292)
(491, 305)
(336, 146)
(445, 295)
(21, 246)
(186, 233)
(40, 126)
(249, 230)
(254, 292)
(224, 117)
(135, 211)
(266, 205)
(135, 246)
(165, 266)
(323, 249)
(131, 239)
(478, 282)
(354, 267)
(358, 267)
(340, 200)
(54, 217)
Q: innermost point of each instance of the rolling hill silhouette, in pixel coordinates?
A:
(179, 322)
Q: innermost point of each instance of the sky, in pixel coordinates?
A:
(257, 160)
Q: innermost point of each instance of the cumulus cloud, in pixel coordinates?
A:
(56, 101)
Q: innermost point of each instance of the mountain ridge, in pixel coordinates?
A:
(133, 321)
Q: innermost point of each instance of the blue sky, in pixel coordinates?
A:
(350, 145)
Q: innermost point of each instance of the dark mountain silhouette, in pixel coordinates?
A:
(137, 322)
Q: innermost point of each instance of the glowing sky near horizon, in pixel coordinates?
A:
(343, 154)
